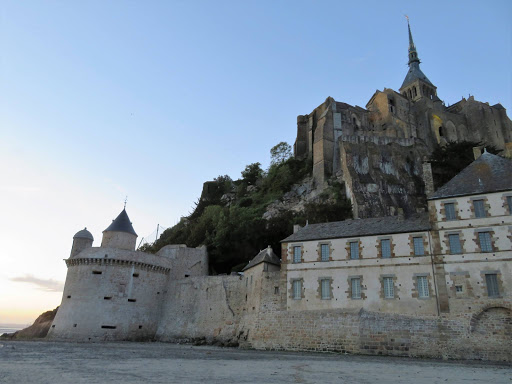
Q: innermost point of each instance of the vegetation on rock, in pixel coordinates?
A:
(228, 218)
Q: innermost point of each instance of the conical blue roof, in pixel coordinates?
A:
(122, 223)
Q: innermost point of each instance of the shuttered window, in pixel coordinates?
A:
(491, 280)
(389, 289)
(485, 241)
(449, 209)
(354, 250)
(419, 249)
(479, 207)
(325, 286)
(324, 250)
(356, 288)
(297, 253)
(385, 248)
(454, 241)
(297, 289)
(423, 286)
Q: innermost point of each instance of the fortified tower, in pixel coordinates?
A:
(83, 239)
(120, 234)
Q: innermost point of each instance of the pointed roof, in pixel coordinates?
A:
(489, 173)
(414, 64)
(122, 223)
(265, 256)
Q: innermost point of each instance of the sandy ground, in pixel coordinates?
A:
(51, 362)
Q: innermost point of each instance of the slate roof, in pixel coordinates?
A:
(361, 227)
(267, 256)
(83, 234)
(489, 173)
(122, 223)
(413, 74)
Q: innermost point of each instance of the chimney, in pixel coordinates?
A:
(428, 179)
(296, 227)
(477, 152)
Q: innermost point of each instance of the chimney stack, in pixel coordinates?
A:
(477, 152)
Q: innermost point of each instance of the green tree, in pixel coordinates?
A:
(252, 173)
(279, 153)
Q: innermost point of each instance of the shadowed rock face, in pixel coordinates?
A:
(38, 330)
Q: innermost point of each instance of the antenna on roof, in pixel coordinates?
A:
(125, 200)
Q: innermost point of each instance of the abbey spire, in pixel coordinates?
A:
(416, 85)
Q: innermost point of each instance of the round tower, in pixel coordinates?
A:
(83, 239)
(120, 234)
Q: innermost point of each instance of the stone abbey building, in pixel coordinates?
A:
(436, 282)
(377, 151)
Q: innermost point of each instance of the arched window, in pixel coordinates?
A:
(414, 92)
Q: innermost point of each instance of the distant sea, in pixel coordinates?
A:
(11, 328)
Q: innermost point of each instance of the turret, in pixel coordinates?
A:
(120, 234)
(83, 239)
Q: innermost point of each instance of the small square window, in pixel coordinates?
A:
(356, 288)
(324, 251)
(491, 280)
(389, 288)
(385, 248)
(419, 249)
(479, 207)
(354, 250)
(449, 209)
(422, 286)
(458, 288)
(325, 287)
(297, 254)
(297, 289)
(454, 241)
(485, 241)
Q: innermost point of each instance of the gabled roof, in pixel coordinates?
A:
(265, 256)
(489, 173)
(361, 227)
(122, 223)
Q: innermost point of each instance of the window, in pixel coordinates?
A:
(325, 287)
(297, 254)
(509, 203)
(479, 207)
(324, 252)
(297, 289)
(454, 241)
(491, 280)
(389, 289)
(422, 286)
(449, 209)
(354, 250)
(385, 248)
(485, 241)
(458, 288)
(356, 288)
(419, 249)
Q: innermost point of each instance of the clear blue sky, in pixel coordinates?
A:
(102, 99)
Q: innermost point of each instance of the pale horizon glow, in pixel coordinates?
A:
(103, 100)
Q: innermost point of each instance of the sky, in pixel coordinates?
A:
(149, 99)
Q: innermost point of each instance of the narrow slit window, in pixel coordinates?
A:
(135, 275)
(132, 300)
(97, 272)
(107, 298)
(108, 326)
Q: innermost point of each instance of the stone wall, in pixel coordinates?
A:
(486, 336)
